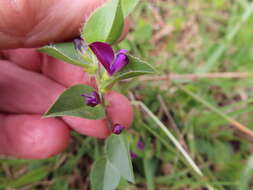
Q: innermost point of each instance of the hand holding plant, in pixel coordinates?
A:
(96, 105)
(94, 53)
(30, 81)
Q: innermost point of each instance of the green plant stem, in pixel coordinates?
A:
(101, 94)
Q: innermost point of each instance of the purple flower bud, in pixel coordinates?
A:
(117, 129)
(140, 144)
(79, 44)
(92, 99)
(133, 155)
(111, 62)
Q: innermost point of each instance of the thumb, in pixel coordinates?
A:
(29, 23)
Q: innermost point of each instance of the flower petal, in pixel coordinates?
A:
(124, 51)
(120, 61)
(104, 54)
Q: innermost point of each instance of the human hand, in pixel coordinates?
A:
(30, 81)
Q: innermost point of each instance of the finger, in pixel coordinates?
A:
(28, 59)
(31, 137)
(64, 73)
(29, 23)
(23, 91)
(59, 71)
(119, 110)
(93, 128)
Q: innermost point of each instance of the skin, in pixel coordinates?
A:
(30, 82)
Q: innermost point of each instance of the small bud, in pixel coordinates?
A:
(92, 99)
(79, 44)
(133, 155)
(140, 144)
(83, 51)
(117, 129)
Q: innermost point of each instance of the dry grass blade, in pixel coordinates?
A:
(233, 122)
(175, 76)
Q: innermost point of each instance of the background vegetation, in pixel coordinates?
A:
(204, 55)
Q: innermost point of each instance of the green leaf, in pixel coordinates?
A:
(104, 176)
(128, 6)
(71, 103)
(119, 156)
(149, 166)
(105, 24)
(65, 52)
(134, 68)
(28, 178)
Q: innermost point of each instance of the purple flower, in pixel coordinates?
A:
(112, 62)
(92, 99)
(117, 129)
(140, 144)
(133, 155)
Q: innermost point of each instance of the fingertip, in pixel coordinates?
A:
(32, 137)
(119, 109)
(93, 128)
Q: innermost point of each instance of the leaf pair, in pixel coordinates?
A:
(107, 171)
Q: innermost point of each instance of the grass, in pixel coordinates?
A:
(202, 110)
